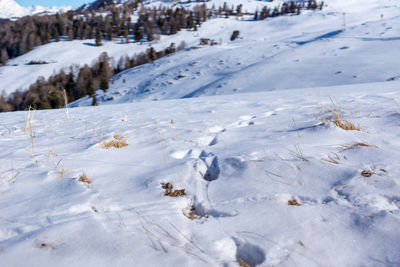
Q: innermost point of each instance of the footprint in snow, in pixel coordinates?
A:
(248, 254)
(208, 166)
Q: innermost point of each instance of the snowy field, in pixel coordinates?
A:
(278, 149)
(269, 180)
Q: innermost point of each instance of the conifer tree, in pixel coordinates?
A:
(173, 29)
(137, 32)
(3, 56)
(150, 34)
(239, 10)
(151, 53)
(90, 89)
(190, 22)
(104, 84)
(98, 38)
(70, 34)
(94, 101)
(56, 35)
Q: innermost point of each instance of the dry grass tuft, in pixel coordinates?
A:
(118, 141)
(242, 263)
(332, 158)
(62, 172)
(85, 179)
(354, 145)
(28, 128)
(190, 213)
(366, 173)
(344, 124)
(337, 119)
(175, 193)
(293, 202)
(298, 153)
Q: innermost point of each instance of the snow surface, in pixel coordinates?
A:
(11, 9)
(313, 49)
(257, 152)
(240, 157)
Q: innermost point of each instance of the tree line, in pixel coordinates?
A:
(288, 8)
(21, 36)
(78, 82)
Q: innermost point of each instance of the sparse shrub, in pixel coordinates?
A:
(168, 191)
(37, 62)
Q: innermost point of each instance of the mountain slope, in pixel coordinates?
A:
(272, 55)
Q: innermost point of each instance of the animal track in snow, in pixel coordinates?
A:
(244, 121)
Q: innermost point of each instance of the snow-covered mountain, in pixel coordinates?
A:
(11, 9)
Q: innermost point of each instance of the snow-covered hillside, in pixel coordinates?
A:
(313, 49)
(11, 9)
(267, 182)
(310, 50)
(18, 75)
